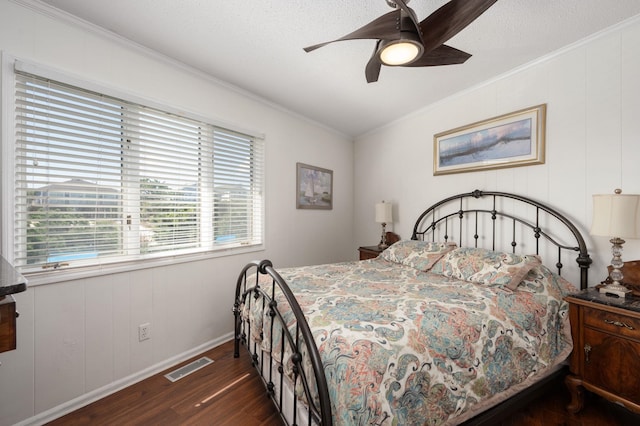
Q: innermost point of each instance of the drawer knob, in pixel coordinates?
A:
(619, 324)
(587, 349)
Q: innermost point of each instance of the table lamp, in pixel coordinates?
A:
(384, 215)
(617, 216)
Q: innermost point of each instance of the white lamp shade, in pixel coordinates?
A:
(616, 215)
(384, 212)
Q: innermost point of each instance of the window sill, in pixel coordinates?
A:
(69, 274)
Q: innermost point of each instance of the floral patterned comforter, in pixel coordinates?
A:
(405, 347)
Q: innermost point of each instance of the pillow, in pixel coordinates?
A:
(420, 255)
(542, 280)
(486, 267)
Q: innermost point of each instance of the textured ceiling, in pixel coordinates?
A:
(256, 45)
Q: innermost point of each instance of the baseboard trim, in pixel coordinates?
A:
(87, 398)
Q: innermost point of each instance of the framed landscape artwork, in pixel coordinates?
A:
(510, 140)
(314, 187)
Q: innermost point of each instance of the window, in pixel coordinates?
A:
(99, 179)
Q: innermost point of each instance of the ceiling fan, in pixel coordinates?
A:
(403, 41)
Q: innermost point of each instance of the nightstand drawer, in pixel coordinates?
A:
(611, 363)
(369, 252)
(613, 323)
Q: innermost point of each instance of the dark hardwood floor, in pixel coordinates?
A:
(229, 392)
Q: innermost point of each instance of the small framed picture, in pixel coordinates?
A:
(314, 187)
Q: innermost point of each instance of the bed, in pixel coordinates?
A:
(461, 323)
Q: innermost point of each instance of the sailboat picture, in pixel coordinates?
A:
(314, 187)
(515, 139)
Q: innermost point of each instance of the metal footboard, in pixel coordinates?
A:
(297, 344)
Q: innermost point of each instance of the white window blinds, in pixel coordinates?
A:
(99, 179)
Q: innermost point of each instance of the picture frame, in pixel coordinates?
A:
(314, 187)
(509, 140)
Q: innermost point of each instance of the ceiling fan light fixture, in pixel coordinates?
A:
(402, 51)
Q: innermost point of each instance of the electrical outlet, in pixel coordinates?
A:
(144, 332)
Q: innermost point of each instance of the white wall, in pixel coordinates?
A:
(592, 92)
(78, 339)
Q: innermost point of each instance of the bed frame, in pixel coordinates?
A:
(493, 220)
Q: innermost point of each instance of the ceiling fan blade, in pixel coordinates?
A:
(372, 70)
(450, 19)
(383, 27)
(441, 55)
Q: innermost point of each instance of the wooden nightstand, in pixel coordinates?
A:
(369, 252)
(606, 349)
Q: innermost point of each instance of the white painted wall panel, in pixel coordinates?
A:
(566, 123)
(630, 105)
(141, 297)
(603, 118)
(59, 343)
(121, 315)
(99, 333)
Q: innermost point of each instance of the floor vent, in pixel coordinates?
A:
(188, 369)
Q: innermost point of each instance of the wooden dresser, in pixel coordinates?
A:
(11, 282)
(606, 349)
(7, 323)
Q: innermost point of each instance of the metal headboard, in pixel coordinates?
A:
(459, 214)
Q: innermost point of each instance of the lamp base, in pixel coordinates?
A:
(615, 289)
(383, 238)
